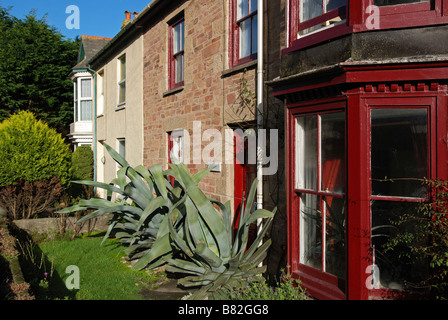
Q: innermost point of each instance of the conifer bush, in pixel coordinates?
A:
(34, 165)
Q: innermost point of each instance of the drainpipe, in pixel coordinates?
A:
(94, 125)
(260, 86)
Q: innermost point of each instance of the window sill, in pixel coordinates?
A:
(318, 37)
(173, 91)
(120, 106)
(239, 68)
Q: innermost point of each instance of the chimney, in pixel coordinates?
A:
(127, 19)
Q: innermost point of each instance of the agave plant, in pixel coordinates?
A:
(176, 223)
(140, 217)
(208, 253)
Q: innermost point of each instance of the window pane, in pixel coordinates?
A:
(395, 264)
(86, 88)
(253, 5)
(306, 153)
(182, 35)
(179, 68)
(122, 92)
(334, 4)
(86, 110)
(335, 236)
(76, 111)
(245, 38)
(310, 9)
(123, 68)
(399, 152)
(395, 2)
(122, 147)
(177, 152)
(178, 38)
(333, 152)
(242, 8)
(254, 34)
(310, 231)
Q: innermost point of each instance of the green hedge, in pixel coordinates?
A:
(32, 151)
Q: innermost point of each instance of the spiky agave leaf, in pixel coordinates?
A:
(211, 258)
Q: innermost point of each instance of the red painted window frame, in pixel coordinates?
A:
(317, 283)
(358, 103)
(391, 17)
(234, 37)
(172, 57)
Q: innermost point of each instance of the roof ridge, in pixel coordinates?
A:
(94, 37)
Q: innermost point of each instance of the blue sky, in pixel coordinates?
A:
(100, 18)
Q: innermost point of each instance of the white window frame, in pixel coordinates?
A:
(79, 98)
(100, 91)
(121, 148)
(121, 81)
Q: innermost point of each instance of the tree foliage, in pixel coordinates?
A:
(82, 163)
(35, 62)
(32, 151)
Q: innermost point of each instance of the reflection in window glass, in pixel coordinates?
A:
(310, 231)
(399, 155)
(306, 153)
(334, 209)
(334, 4)
(397, 268)
(333, 151)
(310, 9)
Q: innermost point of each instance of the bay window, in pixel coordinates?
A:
(316, 21)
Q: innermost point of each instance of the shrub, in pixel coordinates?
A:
(82, 169)
(82, 163)
(32, 151)
(287, 289)
(25, 200)
(427, 241)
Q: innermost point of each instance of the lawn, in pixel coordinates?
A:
(102, 273)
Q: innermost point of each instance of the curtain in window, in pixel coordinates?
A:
(86, 88)
(86, 110)
(306, 179)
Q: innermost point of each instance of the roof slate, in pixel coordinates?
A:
(91, 46)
